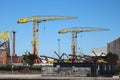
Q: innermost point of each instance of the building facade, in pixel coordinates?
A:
(114, 47)
(3, 57)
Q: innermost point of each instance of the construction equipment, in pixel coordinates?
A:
(60, 57)
(5, 42)
(5, 36)
(100, 58)
(36, 20)
(75, 31)
(48, 59)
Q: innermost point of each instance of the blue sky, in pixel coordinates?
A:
(90, 13)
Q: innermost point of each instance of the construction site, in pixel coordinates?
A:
(65, 64)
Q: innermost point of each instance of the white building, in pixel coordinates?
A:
(99, 51)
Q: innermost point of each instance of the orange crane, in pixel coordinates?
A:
(75, 31)
(36, 20)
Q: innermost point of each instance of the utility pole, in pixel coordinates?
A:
(13, 53)
(59, 46)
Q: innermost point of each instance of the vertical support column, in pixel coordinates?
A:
(13, 54)
(14, 43)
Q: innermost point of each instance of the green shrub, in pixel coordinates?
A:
(35, 68)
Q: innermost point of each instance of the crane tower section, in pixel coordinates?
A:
(75, 31)
(36, 20)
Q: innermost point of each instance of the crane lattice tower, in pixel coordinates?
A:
(36, 20)
(75, 31)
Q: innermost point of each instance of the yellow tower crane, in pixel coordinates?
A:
(36, 20)
(75, 31)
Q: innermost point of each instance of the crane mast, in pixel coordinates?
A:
(74, 43)
(35, 37)
(36, 20)
(75, 31)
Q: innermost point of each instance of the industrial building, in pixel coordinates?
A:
(3, 56)
(98, 51)
(114, 47)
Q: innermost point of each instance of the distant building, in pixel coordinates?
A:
(114, 47)
(17, 59)
(4, 52)
(3, 57)
(99, 51)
